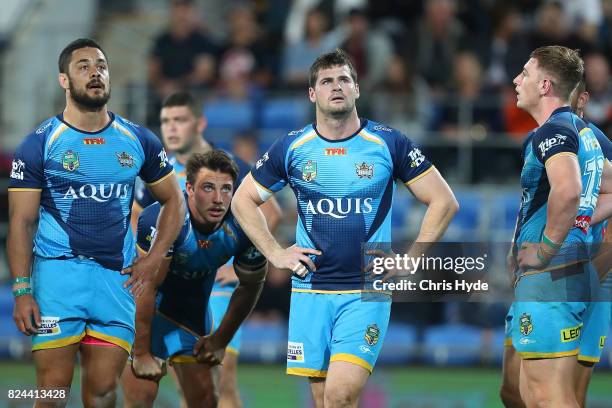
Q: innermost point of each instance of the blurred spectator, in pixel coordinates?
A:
(585, 15)
(517, 122)
(370, 50)
(605, 28)
(298, 57)
(471, 104)
(402, 101)
(434, 43)
(183, 55)
(507, 50)
(552, 27)
(246, 147)
(243, 61)
(599, 85)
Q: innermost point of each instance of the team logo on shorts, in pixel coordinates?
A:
(309, 170)
(49, 326)
(125, 160)
(70, 161)
(372, 334)
(295, 352)
(525, 324)
(364, 170)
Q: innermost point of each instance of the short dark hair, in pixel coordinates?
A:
(66, 55)
(563, 64)
(331, 59)
(215, 160)
(183, 98)
(580, 88)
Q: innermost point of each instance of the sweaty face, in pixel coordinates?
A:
(89, 79)
(210, 195)
(526, 85)
(179, 128)
(335, 92)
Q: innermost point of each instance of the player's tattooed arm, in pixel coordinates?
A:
(144, 364)
(246, 208)
(169, 223)
(23, 218)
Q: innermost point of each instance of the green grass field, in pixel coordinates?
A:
(269, 387)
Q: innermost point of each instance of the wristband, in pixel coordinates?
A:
(550, 243)
(21, 279)
(22, 291)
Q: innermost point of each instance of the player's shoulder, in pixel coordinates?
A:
(133, 128)
(298, 135)
(385, 132)
(558, 130)
(44, 130)
(604, 141)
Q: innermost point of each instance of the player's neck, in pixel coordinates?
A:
(82, 119)
(544, 110)
(200, 147)
(338, 128)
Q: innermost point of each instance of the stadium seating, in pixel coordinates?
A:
(230, 115)
(452, 344)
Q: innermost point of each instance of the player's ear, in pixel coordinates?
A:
(189, 188)
(311, 95)
(64, 81)
(202, 124)
(545, 86)
(356, 90)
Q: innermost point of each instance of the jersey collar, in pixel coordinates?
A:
(363, 123)
(111, 115)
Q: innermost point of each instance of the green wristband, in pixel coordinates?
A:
(22, 291)
(21, 279)
(550, 243)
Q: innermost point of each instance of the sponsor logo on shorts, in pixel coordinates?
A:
(525, 324)
(602, 342)
(372, 333)
(295, 352)
(365, 349)
(525, 340)
(571, 333)
(49, 326)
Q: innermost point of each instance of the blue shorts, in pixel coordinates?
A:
(550, 313)
(78, 296)
(508, 326)
(170, 341)
(218, 302)
(325, 327)
(594, 332)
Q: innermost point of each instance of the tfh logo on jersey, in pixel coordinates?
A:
(17, 170)
(550, 142)
(340, 207)
(335, 151)
(416, 157)
(163, 158)
(100, 193)
(94, 141)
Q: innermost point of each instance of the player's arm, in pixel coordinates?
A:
(603, 210)
(23, 218)
(169, 223)
(251, 269)
(433, 191)
(246, 208)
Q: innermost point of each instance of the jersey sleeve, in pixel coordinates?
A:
(156, 165)
(549, 141)
(409, 162)
(604, 142)
(142, 195)
(27, 172)
(270, 172)
(146, 229)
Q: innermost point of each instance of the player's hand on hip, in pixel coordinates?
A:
(148, 367)
(26, 314)
(226, 275)
(295, 259)
(208, 351)
(142, 271)
(528, 257)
